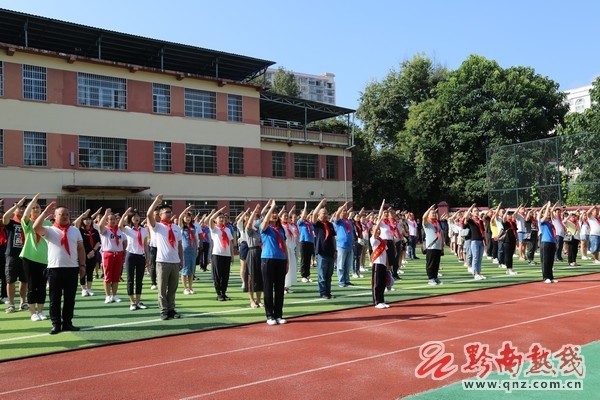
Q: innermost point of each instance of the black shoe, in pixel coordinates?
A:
(349, 284)
(416, 258)
(220, 298)
(70, 327)
(164, 317)
(176, 315)
(324, 296)
(396, 276)
(55, 329)
(226, 297)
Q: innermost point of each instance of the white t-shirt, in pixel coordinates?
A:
(57, 254)
(594, 226)
(521, 223)
(166, 253)
(108, 240)
(558, 227)
(412, 227)
(152, 240)
(385, 231)
(133, 246)
(218, 249)
(382, 259)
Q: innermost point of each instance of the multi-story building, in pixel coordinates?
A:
(320, 88)
(579, 98)
(95, 118)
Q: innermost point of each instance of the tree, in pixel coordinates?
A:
(284, 83)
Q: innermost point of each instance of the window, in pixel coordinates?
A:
(234, 108)
(200, 104)
(161, 98)
(34, 83)
(236, 160)
(305, 165)
(332, 167)
(279, 164)
(579, 105)
(200, 159)
(162, 157)
(236, 207)
(1, 147)
(34, 149)
(101, 91)
(203, 206)
(102, 153)
(1, 78)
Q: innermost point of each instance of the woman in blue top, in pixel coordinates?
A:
(547, 242)
(274, 265)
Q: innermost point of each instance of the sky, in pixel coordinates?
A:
(360, 41)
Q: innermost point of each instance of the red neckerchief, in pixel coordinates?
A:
(64, 241)
(192, 234)
(553, 229)
(224, 237)
(280, 242)
(436, 227)
(379, 249)
(348, 226)
(171, 234)
(3, 240)
(38, 237)
(115, 232)
(287, 228)
(90, 232)
(359, 228)
(138, 231)
(534, 224)
(18, 221)
(326, 227)
(479, 224)
(309, 227)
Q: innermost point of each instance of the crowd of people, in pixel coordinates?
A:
(47, 250)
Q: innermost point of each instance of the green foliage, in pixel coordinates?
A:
(440, 123)
(284, 83)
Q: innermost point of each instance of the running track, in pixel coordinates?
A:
(353, 354)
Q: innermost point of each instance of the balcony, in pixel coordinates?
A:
(278, 131)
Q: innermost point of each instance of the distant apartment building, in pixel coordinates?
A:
(579, 98)
(320, 88)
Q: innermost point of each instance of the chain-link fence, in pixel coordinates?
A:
(561, 168)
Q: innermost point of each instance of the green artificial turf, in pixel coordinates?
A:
(110, 323)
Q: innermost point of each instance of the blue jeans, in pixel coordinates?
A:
(477, 255)
(344, 265)
(467, 250)
(324, 273)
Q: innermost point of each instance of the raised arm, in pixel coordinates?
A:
(267, 219)
(381, 209)
(9, 213)
(27, 213)
(426, 215)
(38, 224)
(304, 213)
(79, 220)
(211, 218)
(250, 222)
(102, 223)
(150, 212)
(315, 215)
(124, 219)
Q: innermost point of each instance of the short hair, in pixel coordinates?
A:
(164, 207)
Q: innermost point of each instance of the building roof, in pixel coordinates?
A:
(65, 37)
(280, 107)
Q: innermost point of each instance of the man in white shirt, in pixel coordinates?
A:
(66, 264)
(169, 256)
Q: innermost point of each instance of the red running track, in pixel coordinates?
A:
(354, 354)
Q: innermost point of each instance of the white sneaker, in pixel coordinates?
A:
(511, 272)
(502, 266)
(90, 293)
(386, 305)
(489, 258)
(42, 316)
(470, 270)
(554, 280)
(108, 299)
(596, 261)
(380, 306)
(281, 321)
(363, 269)
(35, 317)
(304, 280)
(355, 275)
(271, 321)
(440, 275)
(400, 271)
(84, 292)
(585, 258)
(116, 299)
(192, 291)
(432, 282)
(186, 291)
(141, 306)
(478, 277)
(132, 307)
(495, 261)
(153, 287)
(361, 276)
(548, 281)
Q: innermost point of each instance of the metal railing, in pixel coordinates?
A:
(291, 135)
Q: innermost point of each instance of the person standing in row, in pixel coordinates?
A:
(91, 243)
(169, 256)
(548, 242)
(111, 239)
(66, 264)
(307, 244)
(222, 252)
(325, 249)
(15, 240)
(189, 242)
(274, 265)
(379, 261)
(253, 260)
(434, 244)
(135, 260)
(35, 260)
